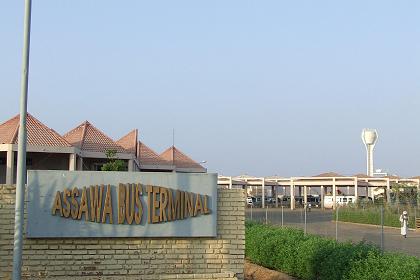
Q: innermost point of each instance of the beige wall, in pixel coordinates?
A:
(131, 258)
(43, 161)
(38, 161)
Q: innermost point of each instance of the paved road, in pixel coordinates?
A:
(320, 222)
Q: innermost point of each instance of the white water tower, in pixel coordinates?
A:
(369, 137)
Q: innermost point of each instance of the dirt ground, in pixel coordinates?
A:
(256, 272)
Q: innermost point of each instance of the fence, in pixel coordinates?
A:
(370, 223)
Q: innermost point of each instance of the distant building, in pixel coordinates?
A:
(380, 173)
(82, 148)
(296, 191)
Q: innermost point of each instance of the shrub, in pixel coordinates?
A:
(314, 257)
(113, 163)
(378, 266)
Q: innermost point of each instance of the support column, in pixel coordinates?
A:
(348, 190)
(367, 190)
(10, 166)
(356, 193)
(305, 195)
(322, 197)
(230, 183)
(130, 165)
(276, 196)
(292, 195)
(247, 188)
(418, 193)
(72, 162)
(334, 194)
(79, 163)
(388, 191)
(263, 193)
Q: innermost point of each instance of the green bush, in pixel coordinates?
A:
(389, 266)
(313, 257)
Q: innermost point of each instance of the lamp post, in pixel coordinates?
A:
(21, 163)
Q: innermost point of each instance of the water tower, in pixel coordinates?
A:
(369, 137)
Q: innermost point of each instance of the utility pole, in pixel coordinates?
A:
(21, 162)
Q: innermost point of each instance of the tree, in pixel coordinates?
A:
(404, 193)
(113, 164)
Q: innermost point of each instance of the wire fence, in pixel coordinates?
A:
(378, 224)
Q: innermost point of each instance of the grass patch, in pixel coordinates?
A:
(372, 215)
(313, 257)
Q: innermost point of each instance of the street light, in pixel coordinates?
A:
(21, 162)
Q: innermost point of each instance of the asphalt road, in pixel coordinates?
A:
(320, 222)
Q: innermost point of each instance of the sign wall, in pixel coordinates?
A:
(121, 204)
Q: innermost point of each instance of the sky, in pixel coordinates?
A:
(252, 87)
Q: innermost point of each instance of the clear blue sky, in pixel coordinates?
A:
(257, 87)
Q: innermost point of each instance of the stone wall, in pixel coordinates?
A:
(131, 258)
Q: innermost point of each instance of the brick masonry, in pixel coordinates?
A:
(131, 258)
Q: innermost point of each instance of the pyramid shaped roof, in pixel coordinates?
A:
(361, 175)
(86, 137)
(391, 177)
(129, 141)
(329, 174)
(38, 134)
(147, 156)
(179, 159)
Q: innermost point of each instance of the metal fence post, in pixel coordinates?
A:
(282, 207)
(382, 228)
(251, 212)
(305, 221)
(336, 223)
(266, 215)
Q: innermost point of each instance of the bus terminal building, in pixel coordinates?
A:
(83, 148)
(171, 222)
(298, 190)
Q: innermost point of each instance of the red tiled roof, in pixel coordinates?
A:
(329, 174)
(179, 159)
(361, 175)
(129, 141)
(147, 156)
(38, 133)
(9, 130)
(88, 138)
(391, 177)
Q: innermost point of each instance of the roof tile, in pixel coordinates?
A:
(38, 133)
(129, 141)
(361, 175)
(179, 159)
(329, 174)
(88, 138)
(147, 156)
